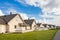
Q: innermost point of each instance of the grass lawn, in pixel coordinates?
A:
(36, 35)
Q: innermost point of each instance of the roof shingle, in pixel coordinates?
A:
(38, 24)
(6, 18)
(29, 21)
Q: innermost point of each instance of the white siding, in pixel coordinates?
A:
(33, 25)
(2, 28)
(28, 27)
(20, 29)
(14, 22)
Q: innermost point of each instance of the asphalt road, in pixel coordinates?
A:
(57, 36)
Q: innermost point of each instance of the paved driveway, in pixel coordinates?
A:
(57, 36)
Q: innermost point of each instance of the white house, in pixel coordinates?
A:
(12, 23)
(31, 23)
(41, 26)
(51, 26)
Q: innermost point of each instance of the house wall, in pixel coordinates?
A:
(52, 27)
(33, 25)
(20, 29)
(28, 27)
(2, 28)
(41, 27)
(46, 28)
(14, 22)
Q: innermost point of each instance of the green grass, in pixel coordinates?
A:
(36, 35)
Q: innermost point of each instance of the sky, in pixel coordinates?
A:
(43, 11)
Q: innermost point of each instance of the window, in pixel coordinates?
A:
(15, 26)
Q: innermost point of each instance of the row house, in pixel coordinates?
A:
(41, 26)
(14, 23)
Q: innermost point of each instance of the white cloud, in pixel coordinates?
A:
(32, 18)
(53, 8)
(20, 1)
(12, 10)
(50, 8)
(23, 15)
(35, 19)
(1, 13)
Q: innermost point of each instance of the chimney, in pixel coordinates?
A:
(10, 13)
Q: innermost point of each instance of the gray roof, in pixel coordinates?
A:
(38, 24)
(6, 18)
(50, 25)
(2, 21)
(29, 21)
(45, 25)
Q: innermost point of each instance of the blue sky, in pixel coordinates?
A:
(44, 11)
(20, 7)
